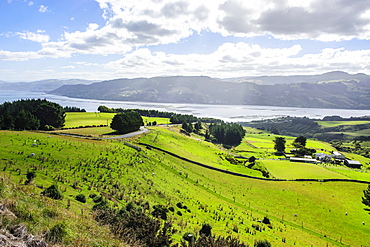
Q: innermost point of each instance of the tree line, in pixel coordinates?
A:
(31, 114)
(175, 118)
(227, 133)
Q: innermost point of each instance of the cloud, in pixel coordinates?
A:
(322, 20)
(231, 60)
(285, 19)
(35, 37)
(69, 67)
(43, 9)
(136, 24)
(30, 3)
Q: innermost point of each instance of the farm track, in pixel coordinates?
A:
(247, 176)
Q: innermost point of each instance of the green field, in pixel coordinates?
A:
(293, 170)
(77, 119)
(340, 123)
(301, 213)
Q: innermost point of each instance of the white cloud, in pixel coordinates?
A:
(30, 3)
(232, 60)
(132, 24)
(35, 37)
(288, 20)
(43, 9)
(69, 67)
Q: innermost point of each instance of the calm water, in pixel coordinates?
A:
(226, 112)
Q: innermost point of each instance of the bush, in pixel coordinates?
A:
(30, 176)
(206, 230)
(266, 220)
(53, 192)
(81, 198)
(262, 243)
(56, 233)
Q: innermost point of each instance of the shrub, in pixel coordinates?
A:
(262, 243)
(266, 220)
(160, 211)
(30, 176)
(53, 192)
(56, 233)
(206, 230)
(81, 198)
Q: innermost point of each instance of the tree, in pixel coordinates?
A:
(30, 176)
(206, 230)
(262, 243)
(226, 133)
(300, 142)
(51, 114)
(31, 114)
(53, 192)
(366, 198)
(127, 122)
(279, 144)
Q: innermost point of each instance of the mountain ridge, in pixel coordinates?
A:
(331, 90)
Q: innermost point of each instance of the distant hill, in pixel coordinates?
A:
(326, 77)
(40, 86)
(330, 90)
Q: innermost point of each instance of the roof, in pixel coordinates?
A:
(353, 162)
(296, 159)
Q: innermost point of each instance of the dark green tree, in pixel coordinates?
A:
(300, 142)
(53, 192)
(24, 120)
(262, 243)
(30, 176)
(226, 133)
(206, 230)
(366, 197)
(103, 108)
(279, 144)
(31, 115)
(126, 122)
(51, 114)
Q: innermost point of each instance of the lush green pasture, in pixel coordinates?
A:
(261, 145)
(89, 131)
(193, 148)
(339, 123)
(301, 213)
(77, 119)
(293, 170)
(361, 175)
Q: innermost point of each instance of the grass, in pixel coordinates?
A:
(293, 170)
(302, 213)
(340, 123)
(77, 119)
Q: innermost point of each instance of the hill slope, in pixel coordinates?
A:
(324, 91)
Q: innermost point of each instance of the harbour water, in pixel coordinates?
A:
(233, 113)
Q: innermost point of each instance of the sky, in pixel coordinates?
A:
(109, 39)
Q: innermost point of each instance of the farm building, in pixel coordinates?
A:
(303, 160)
(353, 163)
(323, 157)
(338, 156)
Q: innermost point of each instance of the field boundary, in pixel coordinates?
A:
(252, 177)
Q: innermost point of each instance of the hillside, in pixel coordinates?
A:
(40, 86)
(194, 195)
(331, 90)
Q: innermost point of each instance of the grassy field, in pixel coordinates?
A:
(339, 123)
(301, 213)
(293, 170)
(77, 119)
